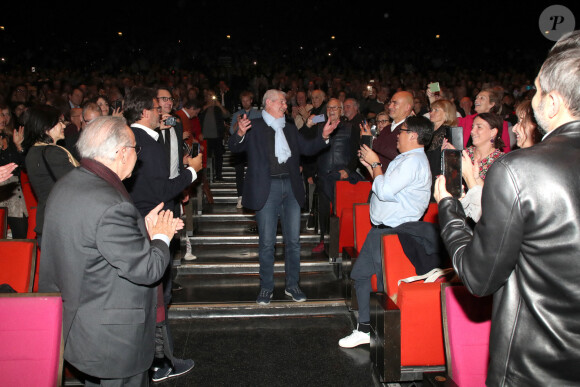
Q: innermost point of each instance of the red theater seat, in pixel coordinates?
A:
(18, 263)
(341, 221)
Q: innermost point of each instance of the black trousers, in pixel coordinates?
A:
(215, 150)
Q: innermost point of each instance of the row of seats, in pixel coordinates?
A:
(418, 330)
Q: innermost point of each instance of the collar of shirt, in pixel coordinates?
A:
(147, 130)
(395, 124)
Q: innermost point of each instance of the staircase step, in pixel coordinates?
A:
(243, 253)
(232, 268)
(243, 239)
(235, 295)
(277, 308)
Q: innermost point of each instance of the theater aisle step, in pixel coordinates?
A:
(224, 279)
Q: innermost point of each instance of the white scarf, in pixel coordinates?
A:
(281, 147)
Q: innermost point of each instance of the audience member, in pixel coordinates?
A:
(301, 111)
(337, 162)
(385, 146)
(45, 161)
(399, 198)
(148, 186)
(104, 259)
(487, 101)
(520, 250)
(212, 119)
(273, 186)
(247, 111)
(443, 116)
(12, 152)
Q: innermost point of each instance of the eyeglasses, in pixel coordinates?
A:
(405, 130)
(383, 121)
(332, 107)
(165, 99)
(136, 147)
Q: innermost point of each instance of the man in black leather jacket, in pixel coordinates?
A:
(525, 250)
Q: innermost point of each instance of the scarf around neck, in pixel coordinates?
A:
(281, 147)
(106, 174)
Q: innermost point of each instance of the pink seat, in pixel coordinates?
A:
(466, 325)
(31, 353)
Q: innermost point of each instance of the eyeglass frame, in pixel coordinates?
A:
(165, 99)
(136, 147)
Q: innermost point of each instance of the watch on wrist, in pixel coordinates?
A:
(374, 165)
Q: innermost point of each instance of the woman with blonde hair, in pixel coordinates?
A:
(443, 115)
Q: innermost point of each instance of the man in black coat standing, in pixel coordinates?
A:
(149, 185)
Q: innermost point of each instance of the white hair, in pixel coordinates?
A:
(102, 137)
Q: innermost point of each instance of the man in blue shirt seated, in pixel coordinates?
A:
(400, 195)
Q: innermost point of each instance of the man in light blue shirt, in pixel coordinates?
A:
(400, 195)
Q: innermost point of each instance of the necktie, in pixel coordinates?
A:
(167, 137)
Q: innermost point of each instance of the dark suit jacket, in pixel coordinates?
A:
(150, 184)
(255, 144)
(96, 252)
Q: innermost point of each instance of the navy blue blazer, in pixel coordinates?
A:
(255, 144)
(150, 184)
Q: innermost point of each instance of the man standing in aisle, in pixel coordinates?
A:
(273, 186)
(150, 185)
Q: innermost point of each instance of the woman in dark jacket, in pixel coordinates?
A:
(45, 162)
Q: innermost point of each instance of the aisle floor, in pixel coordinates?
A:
(270, 351)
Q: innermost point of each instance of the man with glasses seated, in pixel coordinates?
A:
(399, 196)
(149, 185)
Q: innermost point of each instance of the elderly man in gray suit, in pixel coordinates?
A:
(105, 259)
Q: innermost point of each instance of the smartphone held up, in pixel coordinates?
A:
(451, 169)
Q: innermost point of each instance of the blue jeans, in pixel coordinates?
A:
(281, 202)
(369, 262)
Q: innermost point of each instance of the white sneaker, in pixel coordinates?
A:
(239, 205)
(354, 339)
(189, 257)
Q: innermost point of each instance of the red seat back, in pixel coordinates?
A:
(362, 224)
(432, 214)
(346, 195)
(31, 336)
(467, 325)
(3, 222)
(18, 263)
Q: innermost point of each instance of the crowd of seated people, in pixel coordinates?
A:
(307, 92)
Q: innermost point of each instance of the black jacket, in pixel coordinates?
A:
(525, 251)
(257, 180)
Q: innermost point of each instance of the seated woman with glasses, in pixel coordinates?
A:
(45, 162)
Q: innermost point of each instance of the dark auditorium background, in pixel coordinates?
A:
(192, 34)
